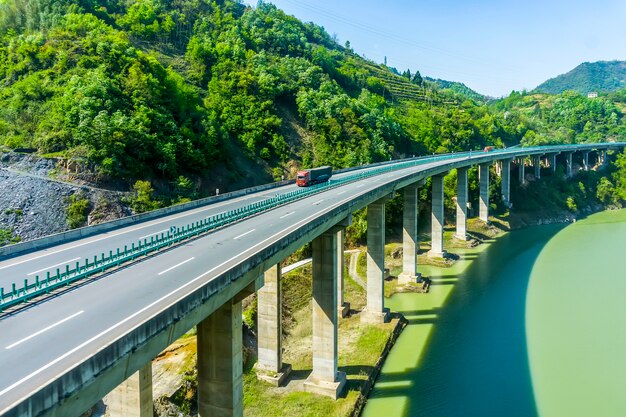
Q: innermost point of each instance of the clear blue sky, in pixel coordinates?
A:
(493, 46)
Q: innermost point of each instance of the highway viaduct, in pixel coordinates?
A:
(62, 354)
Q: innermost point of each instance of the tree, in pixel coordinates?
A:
(142, 197)
(417, 78)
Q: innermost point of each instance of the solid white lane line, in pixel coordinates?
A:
(287, 215)
(185, 285)
(176, 266)
(44, 330)
(50, 267)
(242, 235)
(152, 234)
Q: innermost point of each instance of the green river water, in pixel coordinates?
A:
(531, 325)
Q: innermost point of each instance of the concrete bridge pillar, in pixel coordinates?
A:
(410, 241)
(537, 166)
(133, 397)
(483, 203)
(461, 204)
(325, 378)
(522, 171)
(437, 220)
(506, 182)
(270, 365)
(343, 307)
(220, 363)
(375, 311)
(569, 165)
(586, 160)
(553, 162)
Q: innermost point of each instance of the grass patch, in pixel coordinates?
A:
(8, 237)
(16, 211)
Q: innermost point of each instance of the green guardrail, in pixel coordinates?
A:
(72, 273)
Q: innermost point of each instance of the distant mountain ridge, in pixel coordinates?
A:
(601, 76)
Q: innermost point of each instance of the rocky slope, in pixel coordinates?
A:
(34, 198)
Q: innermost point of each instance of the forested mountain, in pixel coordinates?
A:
(154, 88)
(203, 89)
(458, 88)
(601, 76)
(565, 118)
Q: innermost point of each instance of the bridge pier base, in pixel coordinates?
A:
(325, 378)
(375, 311)
(506, 182)
(220, 363)
(133, 397)
(483, 203)
(461, 204)
(437, 220)
(269, 366)
(410, 240)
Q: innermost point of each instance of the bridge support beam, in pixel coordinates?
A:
(410, 240)
(586, 160)
(325, 378)
(483, 203)
(569, 165)
(269, 366)
(437, 220)
(506, 182)
(375, 311)
(461, 204)
(522, 170)
(220, 363)
(133, 397)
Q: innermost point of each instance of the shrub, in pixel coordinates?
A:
(77, 210)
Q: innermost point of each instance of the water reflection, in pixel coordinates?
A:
(464, 350)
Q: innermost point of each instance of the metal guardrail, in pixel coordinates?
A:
(70, 274)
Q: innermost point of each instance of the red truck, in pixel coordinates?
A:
(312, 176)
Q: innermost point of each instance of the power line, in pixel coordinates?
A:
(389, 35)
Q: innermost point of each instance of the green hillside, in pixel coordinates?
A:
(159, 89)
(194, 95)
(459, 88)
(601, 76)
